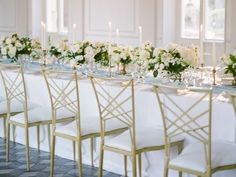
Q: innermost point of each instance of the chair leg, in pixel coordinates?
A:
(125, 165)
(80, 165)
(74, 153)
(134, 165)
(180, 148)
(101, 158)
(27, 148)
(4, 128)
(140, 165)
(166, 172)
(209, 173)
(52, 155)
(14, 133)
(91, 151)
(38, 137)
(166, 169)
(8, 134)
(49, 137)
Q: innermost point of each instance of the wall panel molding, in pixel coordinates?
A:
(8, 15)
(90, 22)
(14, 17)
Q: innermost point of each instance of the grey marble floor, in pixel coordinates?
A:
(40, 164)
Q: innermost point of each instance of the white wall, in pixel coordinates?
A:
(126, 15)
(14, 17)
(231, 25)
(159, 19)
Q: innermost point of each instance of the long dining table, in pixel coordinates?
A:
(147, 115)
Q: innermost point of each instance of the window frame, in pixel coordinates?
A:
(60, 20)
(202, 21)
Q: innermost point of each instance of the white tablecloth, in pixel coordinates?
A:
(147, 115)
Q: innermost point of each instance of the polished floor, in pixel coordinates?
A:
(40, 164)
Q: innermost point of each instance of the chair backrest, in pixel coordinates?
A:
(233, 101)
(186, 115)
(15, 88)
(115, 99)
(64, 95)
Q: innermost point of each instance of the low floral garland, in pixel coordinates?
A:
(161, 62)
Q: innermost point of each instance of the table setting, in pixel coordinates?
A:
(173, 66)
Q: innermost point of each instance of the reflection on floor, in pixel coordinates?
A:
(40, 164)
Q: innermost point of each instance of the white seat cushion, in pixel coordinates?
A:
(147, 137)
(89, 125)
(16, 106)
(40, 114)
(192, 157)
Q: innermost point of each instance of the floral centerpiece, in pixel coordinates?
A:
(173, 61)
(14, 46)
(36, 52)
(11, 47)
(142, 55)
(101, 55)
(83, 52)
(77, 54)
(121, 55)
(231, 66)
(59, 50)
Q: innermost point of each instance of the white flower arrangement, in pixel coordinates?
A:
(172, 61)
(121, 55)
(37, 51)
(14, 45)
(10, 46)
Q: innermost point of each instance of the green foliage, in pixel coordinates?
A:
(231, 67)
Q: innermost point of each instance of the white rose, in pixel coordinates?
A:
(79, 58)
(13, 39)
(8, 41)
(116, 58)
(156, 66)
(123, 55)
(4, 51)
(156, 52)
(73, 63)
(12, 52)
(162, 66)
(18, 44)
(172, 46)
(89, 51)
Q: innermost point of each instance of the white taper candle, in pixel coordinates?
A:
(117, 37)
(140, 35)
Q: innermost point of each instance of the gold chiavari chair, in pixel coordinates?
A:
(32, 116)
(116, 103)
(63, 89)
(233, 100)
(16, 108)
(193, 117)
(3, 115)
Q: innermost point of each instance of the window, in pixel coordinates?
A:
(213, 19)
(190, 18)
(57, 16)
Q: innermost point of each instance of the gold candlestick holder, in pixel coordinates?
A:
(110, 74)
(214, 76)
(44, 58)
